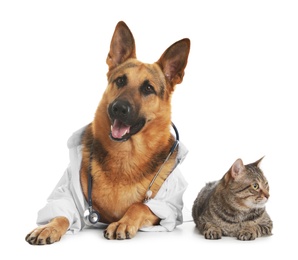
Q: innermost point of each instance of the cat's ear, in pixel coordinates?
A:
(235, 171)
(237, 168)
(258, 162)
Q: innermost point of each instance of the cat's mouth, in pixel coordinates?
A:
(256, 204)
(261, 203)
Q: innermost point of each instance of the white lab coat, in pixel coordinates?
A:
(67, 198)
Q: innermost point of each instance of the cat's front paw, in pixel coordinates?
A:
(213, 233)
(246, 235)
(266, 230)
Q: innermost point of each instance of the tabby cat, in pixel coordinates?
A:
(235, 205)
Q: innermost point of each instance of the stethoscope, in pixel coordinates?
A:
(91, 216)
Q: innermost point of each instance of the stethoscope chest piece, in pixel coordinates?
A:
(91, 216)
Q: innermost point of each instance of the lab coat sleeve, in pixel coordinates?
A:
(168, 203)
(61, 203)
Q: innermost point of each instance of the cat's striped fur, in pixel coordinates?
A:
(235, 205)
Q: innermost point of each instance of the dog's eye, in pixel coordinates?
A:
(147, 89)
(121, 81)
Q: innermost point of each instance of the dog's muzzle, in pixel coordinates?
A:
(124, 120)
(121, 110)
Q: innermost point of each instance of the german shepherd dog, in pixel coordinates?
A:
(128, 140)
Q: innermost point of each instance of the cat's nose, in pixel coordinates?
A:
(266, 195)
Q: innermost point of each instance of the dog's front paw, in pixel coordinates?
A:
(49, 233)
(43, 235)
(120, 231)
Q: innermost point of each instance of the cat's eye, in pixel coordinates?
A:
(255, 186)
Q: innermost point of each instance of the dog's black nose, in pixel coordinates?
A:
(120, 109)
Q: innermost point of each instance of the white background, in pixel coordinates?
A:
(238, 100)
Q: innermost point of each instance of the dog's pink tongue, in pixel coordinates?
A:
(119, 129)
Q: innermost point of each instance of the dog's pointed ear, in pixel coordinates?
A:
(173, 61)
(122, 46)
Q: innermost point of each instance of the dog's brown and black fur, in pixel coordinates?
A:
(130, 138)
